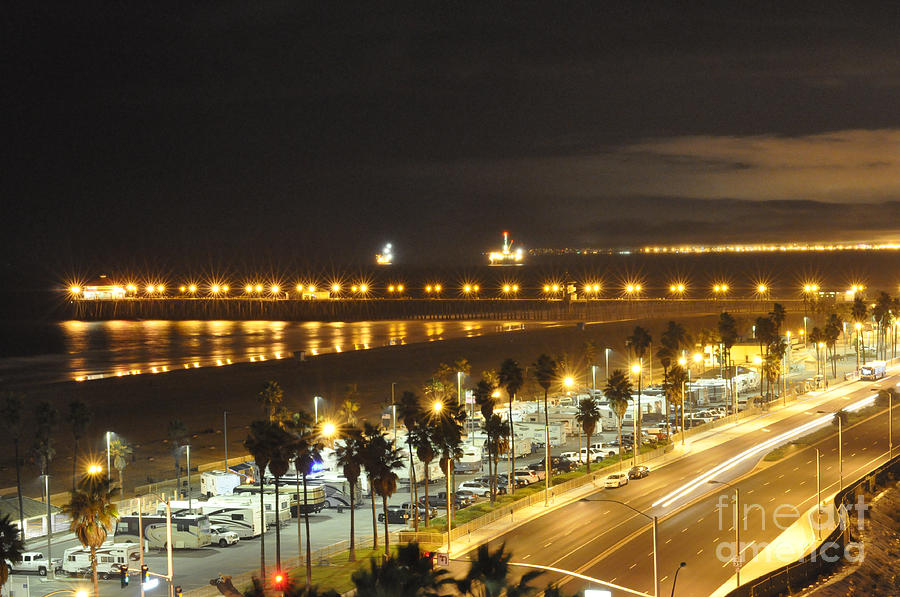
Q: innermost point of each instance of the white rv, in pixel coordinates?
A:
(218, 483)
(470, 461)
(109, 557)
(249, 500)
(243, 519)
(189, 531)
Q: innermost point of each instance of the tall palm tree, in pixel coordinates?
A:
(350, 406)
(833, 328)
(349, 458)
(46, 420)
(80, 417)
(447, 426)
(858, 313)
(423, 442)
(271, 397)
(410, 410)
(674, 390)
(179, 436)
(672, 340)
(511, 377)
(545, 374)
(93, 517)
(778, 315)
(817, 337)
(618, 392)
(283, 449)
(369, 454)
(408, 573)
(728, 335)
(387, 461)
(259, 446)
(640, 342)
(309, 447)
(11, 424)
(119, 452)
(11, 547)
(483, 393)
(588, 414)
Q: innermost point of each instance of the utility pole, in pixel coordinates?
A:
(225, 433)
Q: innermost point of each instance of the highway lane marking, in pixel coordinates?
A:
(796, 468)
(684, 530)
(748, 546)
(548, 544)
(788, 490)
(716, 540)
(699, 552)
(663, 579)
(772, 500)
(781, 475)
(809, 462)
(766, 429)
(669, 540)
(766, 483)
(526, 557)
(635, 564)
(749, 491)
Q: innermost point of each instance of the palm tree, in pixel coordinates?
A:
(545, 373)
(271, 398)
(80, 417)
(369, 455)
(728, 335)
(424, 444)
(511, 377)
(387, 460)
(349, 458)
(817, 337)
(257, 443)
(618, 392)
(673, 339)
(408, 574)
(350, 406)
(11, 547)
(119, 452)
(640, 342)
(484, 399)
(858, 313)
(447, 425)
(674, 391)
(489, 572)
(308, 452)
(833, 328)
(45, 416)
(410, 410)
(11, 423)
(588, 414)
(283, 448)
(93, 516)
(179, 435)
(777, 315)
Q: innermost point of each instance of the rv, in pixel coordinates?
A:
(337, 489)
(249, 499)
(189, 531)
(470, 461)
(243, 519)
(109, 557)
(288, 497)
(218, 483)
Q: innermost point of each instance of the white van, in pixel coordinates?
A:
(218, 483)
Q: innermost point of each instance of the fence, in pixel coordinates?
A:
(826, 556)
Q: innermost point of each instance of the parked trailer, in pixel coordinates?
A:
(288, 496)
(248, 498)
(218, 483)
(189, 531)
(110, 556)
(243, 519)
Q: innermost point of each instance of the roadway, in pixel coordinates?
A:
(610, 542)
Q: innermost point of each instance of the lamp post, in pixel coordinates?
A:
(655, 539)
(636, 441)
(606, 352)
(858, 327)
(108, 476)
(737, 530)
(225, 434)
(683, 362)
(394, 411)
(675, 579)
(593, 381)
(188, 448)
(838, 415)
(316, 407)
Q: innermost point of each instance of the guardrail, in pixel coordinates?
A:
(826, 556)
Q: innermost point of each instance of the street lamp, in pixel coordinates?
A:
(675, 579)
(94, 469)
(840, 419)
(737, 529)
(108, 476)
(316, 407)
(655, 529)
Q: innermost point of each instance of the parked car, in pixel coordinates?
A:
(420, 510)
(616, 480)
(476, 487)
(526, 475)
(222, 537)
(395, 515)
(466, 497)
(638, 472)
(502, 482)
(440, 500)
(560, 465)
(34, 561)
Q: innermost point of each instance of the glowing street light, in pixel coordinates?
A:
(328, 429)
(258, 288)
(75, 289)
(762, 289)
(95, 469)
(335, 287)
(568, 381)
(192, 288)
(275, 289)
(299, 287)
(437, 407)
(215, 289)
(636, 368)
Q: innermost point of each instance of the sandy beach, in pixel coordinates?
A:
(140, 408)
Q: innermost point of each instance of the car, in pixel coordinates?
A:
(638, 472)
(222, 536)
(420, 510)
(616, 480)
(502, 482)
(395, 515)
(476, 487)
(34, 561)
(526, 475)
(560, 465)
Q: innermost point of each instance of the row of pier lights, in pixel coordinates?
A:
(362, 290)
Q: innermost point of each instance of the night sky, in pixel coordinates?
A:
(145, 133)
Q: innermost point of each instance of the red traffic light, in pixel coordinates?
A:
(278, 579)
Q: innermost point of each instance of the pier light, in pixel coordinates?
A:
(335, 287)
(275, 289)
(467, 288)
(515, 288)
(587, 288)
(160, 288)
(597, 288)
(75, 289)
(399, 287)
(354, 288)
(437, 287)
(507, 288)
(554, 288)
(312, 287)
(131, 288)
(428, 288)
(215, 289)
(150, 288)
(299, 287)
(192, 288)
(258, 288)
(182, 288)
(762, 289)
(476, 288)
(390, 288)
(248, 288)
(546, 288)
(364, 288)
(225, 288)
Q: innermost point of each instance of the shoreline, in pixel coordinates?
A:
(140, 408)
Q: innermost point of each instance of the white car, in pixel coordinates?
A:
(616, 480)
(476, 487)
(528, 476)
(222, 536)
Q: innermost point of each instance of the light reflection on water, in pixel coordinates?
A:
(95, 350)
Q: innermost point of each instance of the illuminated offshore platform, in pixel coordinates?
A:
(506, 256)
(386, 257)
